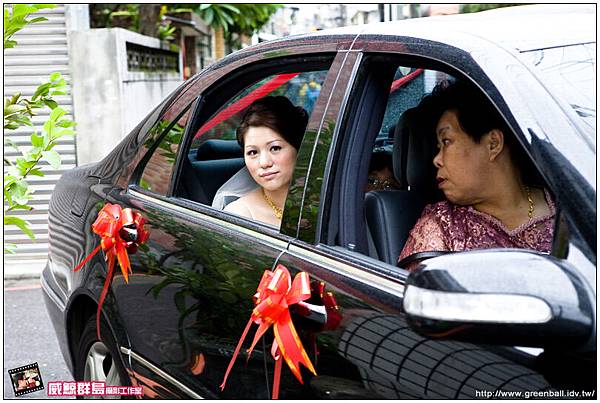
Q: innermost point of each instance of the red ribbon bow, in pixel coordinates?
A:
(111, 219)
(275, 293)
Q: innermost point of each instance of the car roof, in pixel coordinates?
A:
(521, 28)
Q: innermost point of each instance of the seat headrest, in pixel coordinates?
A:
(420, 171)
(400, 150)
(414, 150)
(218, 149)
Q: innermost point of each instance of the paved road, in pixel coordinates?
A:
(29, 336)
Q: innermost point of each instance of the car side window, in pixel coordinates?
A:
(163, 142)
(397, 177)
(214, 156)
(409, 86)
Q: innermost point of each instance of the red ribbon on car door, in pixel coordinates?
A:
(275, 293)
(109, 223)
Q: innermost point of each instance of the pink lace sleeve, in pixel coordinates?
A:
(426, 235)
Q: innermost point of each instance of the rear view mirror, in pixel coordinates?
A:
(508, 297)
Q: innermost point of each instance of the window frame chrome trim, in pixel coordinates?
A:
(272, 241)
(364, 276)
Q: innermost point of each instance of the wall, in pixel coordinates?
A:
(110, 94)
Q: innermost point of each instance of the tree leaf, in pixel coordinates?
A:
(15, 98)
(22, 199)
(14, 108)
(22, 10)
(38, 19)
(41, 91)
(21, 224)
(11, 143)
(33, 155)
(52, 157)
(209, 16)
(57, 113)
(23, 164)
(36, 140)
(48, 128)
(62, 133)
(21, 207)
(21, 188)
(36, 172)
(41, 6)
(50, 103)
(66, 123)
(59, 85)
(15, 171)
(7, 195)
(55, 76)
(231, 8)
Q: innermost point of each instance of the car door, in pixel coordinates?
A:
(369, 350)
(190, 294)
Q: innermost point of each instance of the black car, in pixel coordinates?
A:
(486, 323)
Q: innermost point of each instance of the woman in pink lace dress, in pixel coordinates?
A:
(490, 203)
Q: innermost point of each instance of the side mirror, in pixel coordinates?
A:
(507, 297)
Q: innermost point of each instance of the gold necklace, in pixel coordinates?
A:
(278, 211)
(531, 205)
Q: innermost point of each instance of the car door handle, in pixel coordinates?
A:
(314, 313)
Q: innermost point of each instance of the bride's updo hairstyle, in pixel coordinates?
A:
(278, 114)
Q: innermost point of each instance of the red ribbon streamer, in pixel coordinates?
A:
(275, 293)
(111, 219)
(405, 80)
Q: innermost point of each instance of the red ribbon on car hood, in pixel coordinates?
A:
(111, 219)
(275, 293)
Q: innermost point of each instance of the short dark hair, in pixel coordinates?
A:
(278, 114)
(475, 114)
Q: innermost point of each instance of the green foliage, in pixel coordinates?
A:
(166, 31)
(18, 112)
(474, 8)
(240, 19)
(234, 19)
(253, 17)
(218, 15)
(15, 18)
(171, 142)
(16, 188)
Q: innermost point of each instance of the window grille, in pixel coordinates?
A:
(143, 58)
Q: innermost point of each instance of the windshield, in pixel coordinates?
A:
(570, 73)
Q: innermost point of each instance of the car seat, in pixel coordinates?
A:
(204, 170)
(391, 214)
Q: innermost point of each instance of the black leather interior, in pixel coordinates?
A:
(189, 184)
(390, 215)
(206, 169)
(218, 149)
